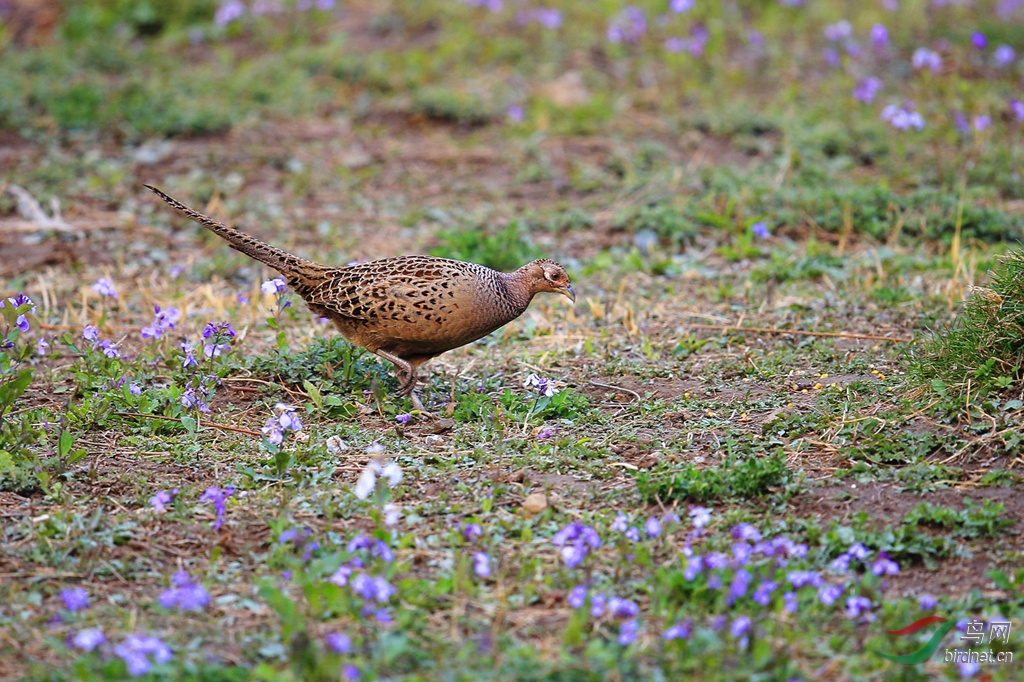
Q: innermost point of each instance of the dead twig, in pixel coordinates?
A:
(222, 427)
(609, 387)
(799, 332)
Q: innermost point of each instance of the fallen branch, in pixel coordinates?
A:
(211, 425)
(609, 387)
(798, 332)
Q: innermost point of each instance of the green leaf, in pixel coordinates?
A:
(64, 444)
(12, 390)
(189, 423)
(314, 394)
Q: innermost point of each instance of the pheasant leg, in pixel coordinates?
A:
(406, 380)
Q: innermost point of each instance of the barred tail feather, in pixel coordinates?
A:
(291, 266)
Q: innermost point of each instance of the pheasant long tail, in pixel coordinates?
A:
(289, 265)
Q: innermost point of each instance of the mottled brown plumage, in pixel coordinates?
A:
(406, 309)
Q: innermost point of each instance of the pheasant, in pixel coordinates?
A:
(404, 309)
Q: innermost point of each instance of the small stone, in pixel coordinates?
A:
(434, 441)
(535, 503)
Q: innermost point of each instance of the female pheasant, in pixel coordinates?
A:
(405, 309)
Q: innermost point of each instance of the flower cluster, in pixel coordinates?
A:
(283, 421)
(162, 498)
(219, 497)
(545, 387)
(903, 118)
(185, 594)
(139, 652)
(163, 320)
(300, 541)
(390, 472)
(628, 26)
(575, 541)
(91, 333)
(105, 287)
(375, 590)
(547, 17)
(216, 336)
(232, 10)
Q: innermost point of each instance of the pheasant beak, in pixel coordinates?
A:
(569, 292)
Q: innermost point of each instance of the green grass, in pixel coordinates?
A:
(713, 459)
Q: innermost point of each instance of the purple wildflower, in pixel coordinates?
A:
(979, 40)
(274, 286)
(628, 26)
(349, 672)
(90, 333)
(653, 527)
(927, 602)
(21, 322)
(628, 631)
(403, 418)
(597, 604)
(1017, 108)
(109, 349)
(841, 563)
(866, 89)
(800, 578)
(136, 651)
(741, 553)
(763, 593)
(884, 565)
(185, 595)
(923, 58)
(1003, 56)
(190, 399)
(903, 118)
(162, 321)
(104, 287)
(680, 6)
(838, 31)
(857, 605)
(740, 584)
(632, 534)
(745, 531)
(342, 575)
(740, 627)
(574, 541)
(960, 123)
(716, 561)
(622, 609)
(75, 598)
(621, 523)
(700, 516)
(981, 122)
(218, 497)
(678, 631)
(829, 593)
(162, 498)
(760, 230)
(471, 531)
(879, 36)
(338, 642)
(577, 596)
(790, 603)
(88, 639)
(228, 12)
(482, 565)
(42, 346)
(545, 387)
(694, 566)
